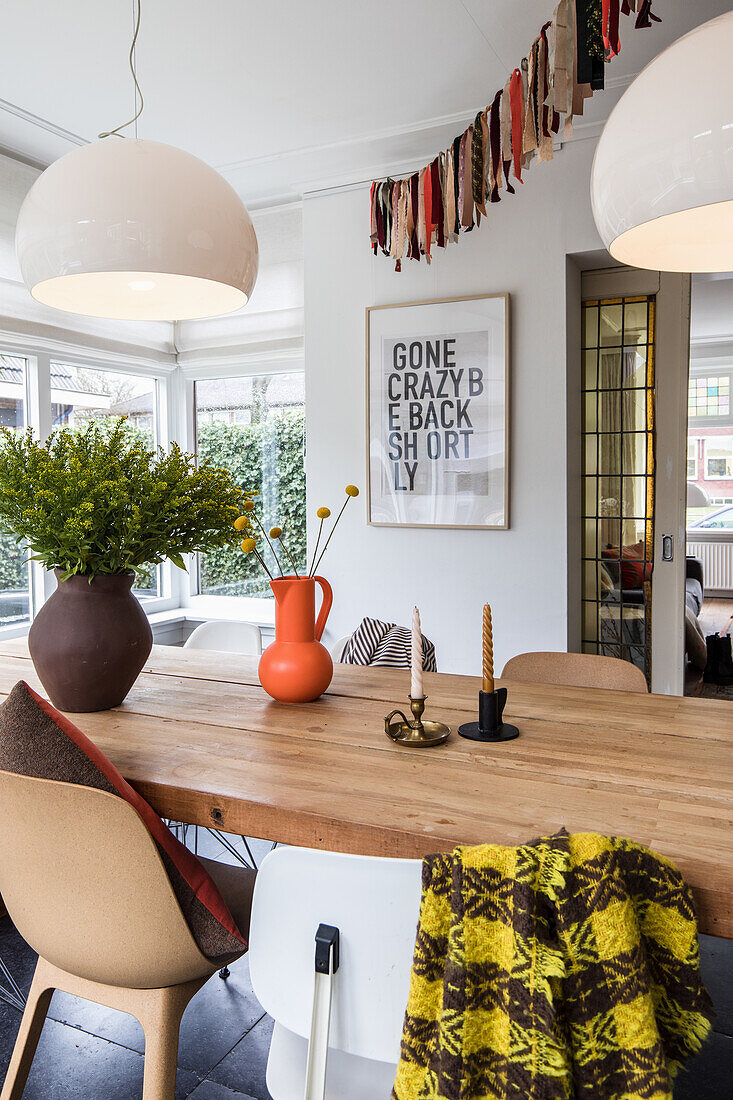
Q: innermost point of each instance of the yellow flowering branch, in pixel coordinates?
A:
(249, 546)
(351, 491)
(249, 507)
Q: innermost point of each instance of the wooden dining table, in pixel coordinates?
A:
(204, 744)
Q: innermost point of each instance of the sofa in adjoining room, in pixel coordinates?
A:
(695, 645)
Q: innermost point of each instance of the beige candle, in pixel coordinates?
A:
(416, 688)
(488, 651)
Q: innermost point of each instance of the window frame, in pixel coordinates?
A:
(693, 440)
(38, 354)
(718, 439)
(247, 608)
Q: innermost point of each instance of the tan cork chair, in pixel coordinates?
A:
(575, 670)
(85, 886)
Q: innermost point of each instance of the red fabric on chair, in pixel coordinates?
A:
(38, 740)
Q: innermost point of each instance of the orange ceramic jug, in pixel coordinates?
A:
(296, 668)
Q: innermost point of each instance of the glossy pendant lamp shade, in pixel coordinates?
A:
(137, 230)
(662, 180)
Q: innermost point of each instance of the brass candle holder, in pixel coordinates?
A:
(416, 732)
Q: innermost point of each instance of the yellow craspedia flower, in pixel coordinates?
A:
(248, 545)
(323, 513)
(248, 506)
(275, 532)
(241, 523)
(352, 491)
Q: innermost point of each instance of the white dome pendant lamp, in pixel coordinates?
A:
(130, 229)
(662, 179)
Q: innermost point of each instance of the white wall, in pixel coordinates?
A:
(382, 572)
(711, 317)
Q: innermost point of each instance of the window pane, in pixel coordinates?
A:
(255, 428)
(612, 319)
(619, 483)
(14, 571)
(81, 395)
(719, 458)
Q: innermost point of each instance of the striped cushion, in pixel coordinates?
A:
(377, 643)
(39, 741)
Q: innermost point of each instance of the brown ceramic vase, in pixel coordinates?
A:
(90, 641)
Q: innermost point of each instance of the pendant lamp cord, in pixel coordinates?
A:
(138, 91)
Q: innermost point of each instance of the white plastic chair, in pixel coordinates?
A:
(227, 636)
(374, 904)
(337, 649)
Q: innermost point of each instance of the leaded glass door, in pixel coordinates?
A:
(618, 477)
(635, 365)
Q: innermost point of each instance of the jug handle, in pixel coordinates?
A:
(325, 606)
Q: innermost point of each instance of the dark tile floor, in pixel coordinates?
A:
(94, 1053)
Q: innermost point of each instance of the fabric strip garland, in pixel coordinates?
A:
(563, 68)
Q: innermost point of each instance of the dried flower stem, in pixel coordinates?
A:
(325, 548)
(259, 555)
(290, 556)
(267, 540)
(313, 560)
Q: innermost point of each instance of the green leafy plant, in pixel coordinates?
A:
(97, 501)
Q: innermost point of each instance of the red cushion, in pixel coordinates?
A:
(32, 747)
(634, 571)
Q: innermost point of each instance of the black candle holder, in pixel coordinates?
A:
(489, 726)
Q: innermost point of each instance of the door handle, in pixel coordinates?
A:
(667, 547)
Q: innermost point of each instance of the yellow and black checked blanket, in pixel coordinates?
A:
(566, 968)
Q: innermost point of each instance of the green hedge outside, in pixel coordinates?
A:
(13, 573)
(267, 457)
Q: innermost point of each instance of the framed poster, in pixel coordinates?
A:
(438, 413)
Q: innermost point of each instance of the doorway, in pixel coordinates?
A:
(709, 474)
(635, 352)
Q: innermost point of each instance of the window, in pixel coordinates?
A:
(14, 569)
(692, 459)
(719, 458)
(80, 395)
(254, 426)
(709, 396)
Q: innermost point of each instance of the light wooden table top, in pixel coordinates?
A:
(200, 739)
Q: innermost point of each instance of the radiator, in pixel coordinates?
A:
(717, 564)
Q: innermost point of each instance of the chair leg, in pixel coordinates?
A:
(161, 1020)
(31, 1025)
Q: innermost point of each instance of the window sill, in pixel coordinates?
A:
(242, 608)
(200, 609)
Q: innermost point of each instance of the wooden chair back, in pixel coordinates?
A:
(575, 670)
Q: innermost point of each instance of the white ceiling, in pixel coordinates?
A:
(283, 96)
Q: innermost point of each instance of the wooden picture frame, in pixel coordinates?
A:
(437, 408)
